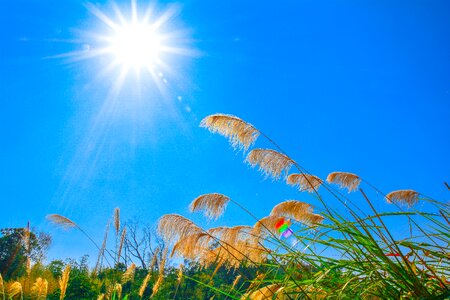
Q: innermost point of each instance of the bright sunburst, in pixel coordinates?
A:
(136, 40)
(136, 45)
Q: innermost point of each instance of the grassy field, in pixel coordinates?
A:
(345, 251)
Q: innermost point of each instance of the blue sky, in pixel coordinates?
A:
(357, 86)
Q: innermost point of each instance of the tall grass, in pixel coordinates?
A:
(345, 248)
(344, 252)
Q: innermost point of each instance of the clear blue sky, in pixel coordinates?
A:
(357, 86)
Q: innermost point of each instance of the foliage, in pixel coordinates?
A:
(14, 252)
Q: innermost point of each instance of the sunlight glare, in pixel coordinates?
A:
(136, 45)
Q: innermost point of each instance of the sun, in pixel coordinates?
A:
(143, 40)
(136, 45)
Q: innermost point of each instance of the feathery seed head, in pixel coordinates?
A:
(345, 180)
(61, 221)
(173, 226)
(129, 273)
(266, 225)
(408, 197)
(63, 281)
(13, 289)
(292, 209)
(213, 205)
(271, 163)
(305, 182)
(39, 288)
(273, 291)
(144, 284)
(117, 220)
(122, 239)
(192, 246)
(240, 133)
(118, 290)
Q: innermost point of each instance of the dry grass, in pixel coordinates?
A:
(144, 284)
(154, 259)
(118, 290)
(13, 289)
(160, 279)
(235, 281)
(408, 197)
(180, 273)
(63, 281)
(305, 182)
(172, 227)
(28, 266)
(102, 249)
(312, 219)
(61, 221)
(272, 291)
(271, 163)
(240, 134)
(117, 220)
(213, 205)
(192, 246)
(231, 235)
(39, 288)
(122, 240)
(129, 273)
(292, 209)
(266, 225)
(345, 180)
(2, 286)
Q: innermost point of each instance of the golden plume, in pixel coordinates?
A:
(271, 163)
(232, 256)
(292, 209)
(26, 237)
(266, 226)
(213, 204)
(273, 291)
(39, 288)
(240, 133)
(230, 235)
(101, 252)
(3, 287)
(117, 220)
(208, 257)
(180, 273)
(129, 273)
(13, 289)
(409, 197)
(258, 279)
(28, 266)
(192, 245)
(63, 281)
(173, 226)
(122, 239)
(235, 281)
(157, 285)
(305, 182)
(101, 297)
(144, 284)
(160, 279)
(154, 259)
(344, 180)
(312, 219)
(62, 221)
(118, 290)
